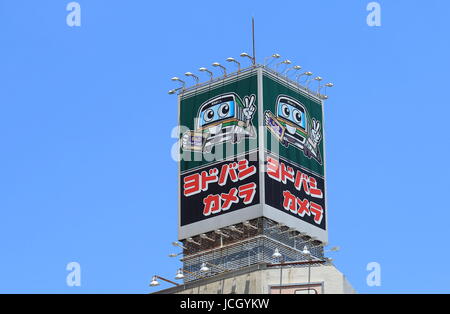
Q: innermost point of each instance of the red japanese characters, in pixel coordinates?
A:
(230, 172)
(302, 182)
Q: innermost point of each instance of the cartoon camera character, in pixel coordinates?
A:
(222, 119)
(292, 127)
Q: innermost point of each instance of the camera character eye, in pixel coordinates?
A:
(298, 116)
(224, 110)
(208, 116)
(285, 111)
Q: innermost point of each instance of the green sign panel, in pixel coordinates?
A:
(219, 167)
(294, 125)
(294, 156)
(219, 123)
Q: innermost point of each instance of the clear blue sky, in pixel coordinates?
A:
(86, 173)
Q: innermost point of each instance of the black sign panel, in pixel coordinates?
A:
(295, 191)
(219, 189)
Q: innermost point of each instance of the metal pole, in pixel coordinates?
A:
(253, 39)
(166, 280)
(309, 275)
(281, 273)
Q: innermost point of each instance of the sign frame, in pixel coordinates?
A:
(262, 209)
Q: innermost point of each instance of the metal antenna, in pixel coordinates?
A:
(253, 39)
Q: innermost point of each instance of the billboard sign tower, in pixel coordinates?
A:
(251, 167)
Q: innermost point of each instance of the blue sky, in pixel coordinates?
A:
(86, 173)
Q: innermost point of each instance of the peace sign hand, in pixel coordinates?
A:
(249, 107)
(315, 132)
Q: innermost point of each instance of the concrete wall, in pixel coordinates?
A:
(324, 279)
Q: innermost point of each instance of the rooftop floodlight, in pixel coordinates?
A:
(174, 91)
(296, 68)
(334, 249)
(276, 253)
(218, 65)
(195, 77)
(319, 79)
(190, 240)
(327, 85)
(275, 226)
(211, 75)
(297, 235)
(246, 55)
(204, 268)
(175, 254)
(308, 80)
(234, 229)
(306, 251)
(287, 231)
(177, 244)
(204, 236)
(179, 274)
(177, 79)
(154, 282)
(273, 57)
(286, 62)
(235, 61)
(303, 74)
(249, 225)
(221, 233)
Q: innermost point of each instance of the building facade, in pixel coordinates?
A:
(253, 215)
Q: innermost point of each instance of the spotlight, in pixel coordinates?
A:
(234, 60)
(319, 79)
(174, 91)
(204, 268)
(177, 79)
(154, 282)
(204, 236)
(249, 225)
(178, 245)
(308, 81)
(303, 74)
(296, 68)
(234, 229)
(246, 55)
(218, 65)
(276, 254)
(221, 233)
(190, 240)
(211, 75)
(273, 57)
(286, 62)
(179, 274)
(334, 249)
(306, 252)
(195, 77)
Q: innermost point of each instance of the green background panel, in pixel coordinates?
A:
(271, 90)
(189, 108)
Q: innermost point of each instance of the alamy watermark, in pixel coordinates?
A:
(374, 17)
(374, 276)
(73, 279)
(74, 17)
